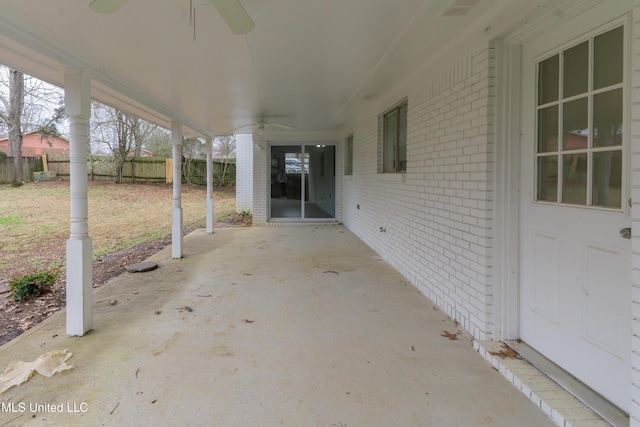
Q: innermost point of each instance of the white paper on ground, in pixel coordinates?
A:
(47, 364)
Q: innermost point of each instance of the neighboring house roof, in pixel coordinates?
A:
(4, 137)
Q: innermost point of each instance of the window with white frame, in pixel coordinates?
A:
(348, 155)
(394, 139)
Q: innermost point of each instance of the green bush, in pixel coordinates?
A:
(23, 287)
(3, 154)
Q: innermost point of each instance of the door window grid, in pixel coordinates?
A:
(577, 162)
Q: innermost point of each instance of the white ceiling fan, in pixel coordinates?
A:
(261, 125)
(231, 11)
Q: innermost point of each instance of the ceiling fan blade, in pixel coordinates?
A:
(106, 6)
(244, 126)
(280, 125)
(235, 16)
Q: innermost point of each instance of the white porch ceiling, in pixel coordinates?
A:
(306, 63)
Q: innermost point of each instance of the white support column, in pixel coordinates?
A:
(210, 217)
(176, 212)
(79, 246)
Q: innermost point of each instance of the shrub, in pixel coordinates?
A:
(243, 218)
(23, 287)
(3, 154)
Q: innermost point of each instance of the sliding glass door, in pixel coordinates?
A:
(286, 181)
(303, 182)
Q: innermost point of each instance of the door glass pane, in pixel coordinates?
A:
(390, 134)
(607, 179)
(286, 180)
(608, 58)
(574, 178)
(320, 181)
(548, 129)
(576, 70)
(576, 124)
(607, 118)
(548, 178)
(548, 81)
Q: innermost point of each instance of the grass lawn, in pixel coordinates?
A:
(34, 219)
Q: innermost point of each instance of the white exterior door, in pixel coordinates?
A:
(575, 266)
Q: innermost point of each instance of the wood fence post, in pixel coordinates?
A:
(169, 171)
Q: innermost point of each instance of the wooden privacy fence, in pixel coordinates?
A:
(145, 169)
(29, 166)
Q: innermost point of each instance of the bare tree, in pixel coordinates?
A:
(158, 141)
(14, 122)
(141, 131)
(43, 104)
(121, 133)
(224, 149)
(124, 143)
(27, 105)
(193, 148)
(111, 128)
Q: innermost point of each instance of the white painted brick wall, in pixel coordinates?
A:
(635, 215)
(260, 188)
(438, 216)
(244, 172)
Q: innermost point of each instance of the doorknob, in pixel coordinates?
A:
(625, 233)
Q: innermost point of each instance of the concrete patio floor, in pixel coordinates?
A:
(265, 326)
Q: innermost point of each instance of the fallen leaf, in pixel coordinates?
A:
(505, 353)
(449, 335)
(247, 321)
(26, 325)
